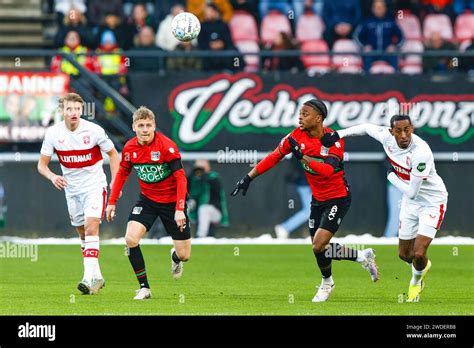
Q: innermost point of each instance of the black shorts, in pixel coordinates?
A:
(328, 214)
(145, 211)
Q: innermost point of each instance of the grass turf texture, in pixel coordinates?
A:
(234, 280)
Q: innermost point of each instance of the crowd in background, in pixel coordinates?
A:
(114, 26)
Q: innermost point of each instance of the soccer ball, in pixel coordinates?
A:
(185, 26)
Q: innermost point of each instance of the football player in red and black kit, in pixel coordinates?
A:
(324, 170)
(163, 187)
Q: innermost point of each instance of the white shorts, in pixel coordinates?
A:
(88, 204)
(420, 219)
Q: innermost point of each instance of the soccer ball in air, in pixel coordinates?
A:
(185, 26)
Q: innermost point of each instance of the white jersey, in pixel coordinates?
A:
(79, 154)
(417, 159)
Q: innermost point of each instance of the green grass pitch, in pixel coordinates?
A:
(235, 280)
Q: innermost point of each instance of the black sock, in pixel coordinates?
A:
(336, 251)
(138, 264)
(175, 257)
(324, 264)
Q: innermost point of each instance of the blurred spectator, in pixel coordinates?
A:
(379, 33)
(413, 6)
(122, 32)
(98, 9)
(340, 17)
(265, 6)
(164, 37)
(145, 40)
(63, 7)
(249, 6)
(163, 7)
(72, 44)
(438, 64)
(215, 36)
(129, 4)
(198, 7)
(366, 7)
(283, 42)
(112, 66)
(437, 6)
(140, 19)
(76, 21)
(183, 62)
(207, 203)
(459, 6)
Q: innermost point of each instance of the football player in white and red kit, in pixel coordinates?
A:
(425, 197)
(79, 144)
(324, 170)
(163, 185)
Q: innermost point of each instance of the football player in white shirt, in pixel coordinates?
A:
(425, 197)
(79, 144)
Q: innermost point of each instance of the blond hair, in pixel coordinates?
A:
(143, 113)
(72, 97)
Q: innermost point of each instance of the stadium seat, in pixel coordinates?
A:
(464, 27)
(272, 25)
(309, 27)
(412, 63)
(351, 63)
(243, 27)
(316, 63)
(410, 26)
(252, 62)
(437, 23)
(381, 67)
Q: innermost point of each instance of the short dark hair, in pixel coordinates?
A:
(396, 118)
(318, 105)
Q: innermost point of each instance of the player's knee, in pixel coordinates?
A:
(91, 230)
(131, 240)
(318, 247)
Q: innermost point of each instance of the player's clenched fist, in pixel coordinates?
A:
(329, 139)
(242, 184)
(295, 148)
(110, 212)
(180, 219)
(58, 181)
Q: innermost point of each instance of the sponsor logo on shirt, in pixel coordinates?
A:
(76, 158)
(152, 173)
(421, 167)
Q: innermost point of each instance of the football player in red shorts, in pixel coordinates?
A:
(163, 187)
(324, 170)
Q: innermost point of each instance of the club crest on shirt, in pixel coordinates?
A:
(302, 146)
(155, 156)
(86, 139)
(324, 151)
(421, 167)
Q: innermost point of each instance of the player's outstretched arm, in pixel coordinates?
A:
(43, 168)
(409, 190)
(267, 163)
(376, 132)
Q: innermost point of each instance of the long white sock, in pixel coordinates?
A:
(416, 275)
(91, 257)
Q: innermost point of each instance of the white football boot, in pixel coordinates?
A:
(176, 268)
(142, 294)
(91, 286)
(324, 291)
(369, 264)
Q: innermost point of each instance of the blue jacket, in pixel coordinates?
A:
(379, 33)
(337, 11)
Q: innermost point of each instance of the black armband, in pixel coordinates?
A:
(175, 164)
(332, 161)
